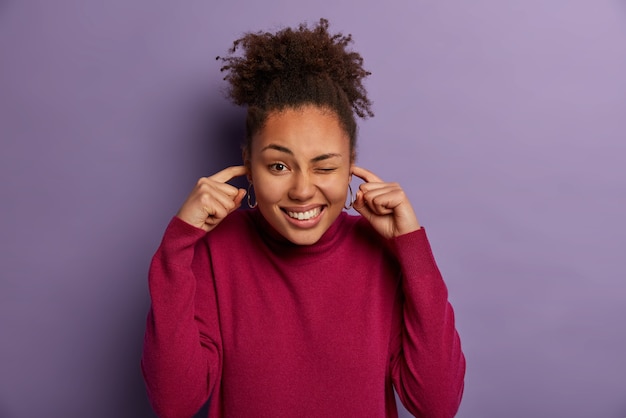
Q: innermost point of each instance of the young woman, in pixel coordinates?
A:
(295, 308)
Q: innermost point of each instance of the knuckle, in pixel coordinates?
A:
(206, 200)
(231, 190)
(221, 213)
(205, 188)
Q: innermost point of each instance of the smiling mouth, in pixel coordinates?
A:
(305, 216)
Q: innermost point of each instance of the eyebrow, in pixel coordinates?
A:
(286, 150)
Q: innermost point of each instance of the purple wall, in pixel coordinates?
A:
(504, 121)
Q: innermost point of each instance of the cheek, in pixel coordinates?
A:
(268, 189)
(334, 189)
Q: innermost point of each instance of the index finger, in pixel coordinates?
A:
(229, 173)
(366, 175)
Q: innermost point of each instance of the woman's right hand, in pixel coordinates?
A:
(212, 199)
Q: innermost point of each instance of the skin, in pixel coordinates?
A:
(301, 164)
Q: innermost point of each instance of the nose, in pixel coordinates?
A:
(302, 187)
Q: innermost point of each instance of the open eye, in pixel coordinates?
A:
(278, 167)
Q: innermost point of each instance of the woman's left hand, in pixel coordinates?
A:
(384, 205)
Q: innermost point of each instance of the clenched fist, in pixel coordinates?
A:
(213, 199)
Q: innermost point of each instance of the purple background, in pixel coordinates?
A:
(505, 121)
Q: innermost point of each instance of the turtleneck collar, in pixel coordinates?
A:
(286, 249)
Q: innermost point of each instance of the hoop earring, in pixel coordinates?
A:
(249, 201)
(351, 198)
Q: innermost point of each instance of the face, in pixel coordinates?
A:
(299, 164)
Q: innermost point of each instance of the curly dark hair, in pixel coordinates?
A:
(296, 67)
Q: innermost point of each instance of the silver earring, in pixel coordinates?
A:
(249, 201)
(351, 198)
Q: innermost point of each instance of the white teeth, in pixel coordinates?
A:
(303, 216)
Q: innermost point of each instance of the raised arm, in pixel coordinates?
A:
(426, 362)
(181, 361)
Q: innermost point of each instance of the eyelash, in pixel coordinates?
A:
(275, 167)
(280, 167)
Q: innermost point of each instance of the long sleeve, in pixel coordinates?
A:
(427, 364)
(181, 361)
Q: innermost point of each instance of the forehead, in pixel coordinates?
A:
(306, 130)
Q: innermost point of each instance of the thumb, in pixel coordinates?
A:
(239, 198)
(360, 206)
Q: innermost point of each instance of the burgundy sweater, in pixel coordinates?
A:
(266, 328)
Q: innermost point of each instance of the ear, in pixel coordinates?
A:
(245, 155)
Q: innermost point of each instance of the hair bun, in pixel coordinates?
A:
(290, 57)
